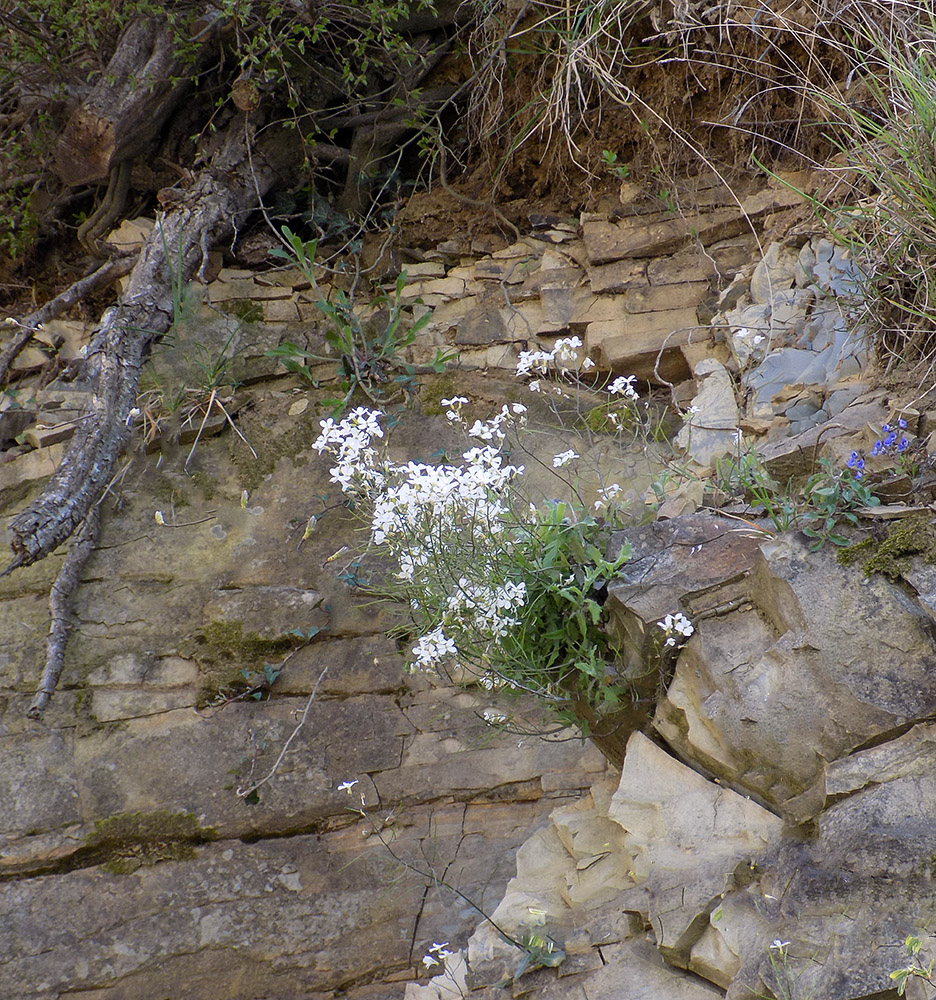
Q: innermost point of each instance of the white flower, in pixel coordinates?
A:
(623, 385)
(588, 364)
(678, 624)
(565, 349)
(563, 458)
(454, 401)
(346, 786)
(493, 718)
(779, 945)
(433, 647)
(158, 517)
(607, 494)
(436, 953)
(534, 360)
(518, 408)
(534, 386)
(486, 431)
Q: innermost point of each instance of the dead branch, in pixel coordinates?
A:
(226, 191)
(242, 793)
(28, 325)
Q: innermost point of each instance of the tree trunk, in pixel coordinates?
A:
(144, 82)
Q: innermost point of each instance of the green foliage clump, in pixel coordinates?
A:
(367, 352)
(816, 506)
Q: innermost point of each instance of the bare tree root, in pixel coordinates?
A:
(28, 325)
(66, 583)
(241, 171)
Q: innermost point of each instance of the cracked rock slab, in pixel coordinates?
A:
(819, 663)
(688, 837)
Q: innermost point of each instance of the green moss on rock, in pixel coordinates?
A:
(246, 310)
(908, 536)
(223, 650)
(127, 841)
(856, 553)
(433, 390)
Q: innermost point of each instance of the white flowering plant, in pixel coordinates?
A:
(506, 589)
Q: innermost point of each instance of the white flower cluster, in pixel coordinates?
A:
(433, 648)
(606, 494)
(565, 350)
(349, 441)
(489, 608)
(412, 507)
(676, 625)
(438, 953)
(563, 458)
(623, 385)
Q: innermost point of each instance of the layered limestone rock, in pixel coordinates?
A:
(788, 685)
(784, 793)
(132, 867)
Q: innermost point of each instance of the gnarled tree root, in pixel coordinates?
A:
(60, 605)
(28, 325)
(223, 194)
(241, 172)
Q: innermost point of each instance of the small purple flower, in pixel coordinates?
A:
(877, 449)
(853, 460)
(904, 445)
(886, 429)
(901, 423)
(890, 440)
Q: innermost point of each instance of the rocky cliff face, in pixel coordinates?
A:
(772, 835)
(781, 794)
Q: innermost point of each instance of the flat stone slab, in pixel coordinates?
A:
(653, 236)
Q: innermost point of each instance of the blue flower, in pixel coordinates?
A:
(890, 439)
(878, 448)
(853, 460)
(901, 423)
(904, 444)
(886, 429)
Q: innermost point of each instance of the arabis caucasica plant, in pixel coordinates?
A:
(510, 591)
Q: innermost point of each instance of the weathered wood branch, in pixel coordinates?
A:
(62, 302)
(241, 171)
